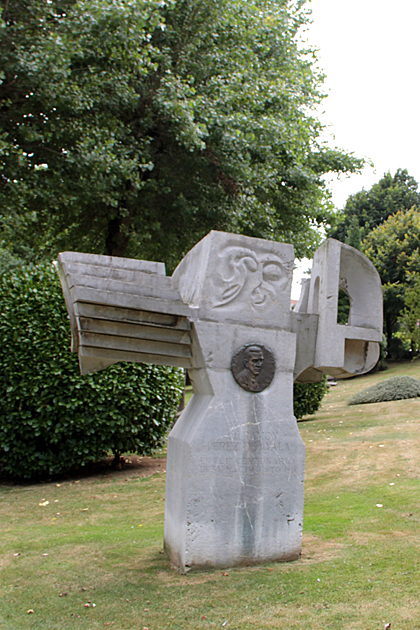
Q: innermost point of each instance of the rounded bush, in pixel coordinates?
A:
(52, 419)
(395, 388)
(307, 397)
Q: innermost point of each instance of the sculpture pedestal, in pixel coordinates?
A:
(236, 461)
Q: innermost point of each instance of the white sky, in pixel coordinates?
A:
(369, 51)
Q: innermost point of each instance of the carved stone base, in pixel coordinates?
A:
(236, 462)
(235, 482)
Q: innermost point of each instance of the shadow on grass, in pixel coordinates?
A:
(132, 465)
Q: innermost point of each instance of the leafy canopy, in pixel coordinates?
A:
(394, 249)
(409, 319)
(133, 127)
(383, 222)
(369, 208)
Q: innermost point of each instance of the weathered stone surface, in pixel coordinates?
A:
(236, 461)
(344, 350)
(228, 277)
(235, 470)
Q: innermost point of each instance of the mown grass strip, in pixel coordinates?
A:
(99, 541)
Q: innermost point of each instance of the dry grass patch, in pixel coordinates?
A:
(409, 537)
(316, 550)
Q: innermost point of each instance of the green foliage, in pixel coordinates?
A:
(51, 418)
(384, 223)
(395, 388)
(343, 307)
(307, 397)
(394, 246)
(354, 234)
(369, 208)
(134, 127)
(394, 249)
(399, 347)
(382, 364)
(409, 320)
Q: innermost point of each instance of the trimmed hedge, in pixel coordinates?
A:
(307, 397)
(395, 388)
(52, 419)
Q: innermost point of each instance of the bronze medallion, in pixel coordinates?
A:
(253, 367)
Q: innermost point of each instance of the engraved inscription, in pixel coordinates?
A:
(253, 367)
(265, 455)
(266, 442)
(251, 278)
(251, 465)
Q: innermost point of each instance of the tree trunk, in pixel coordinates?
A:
(389, 328)
(118, 232)
(117, 462)
(117, 238)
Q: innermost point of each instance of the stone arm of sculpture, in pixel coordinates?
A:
(123, 310)
(129, 310)
(323, 345)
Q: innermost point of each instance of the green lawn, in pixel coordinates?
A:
(99, 541)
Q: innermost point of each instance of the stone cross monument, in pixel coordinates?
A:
(236, 461)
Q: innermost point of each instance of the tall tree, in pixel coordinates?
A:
(369, 208)
(394, 249)
(409, 319)
(354, 233)
(133, 127)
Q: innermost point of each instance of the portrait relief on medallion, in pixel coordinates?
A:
(247, 277)
(253, 367)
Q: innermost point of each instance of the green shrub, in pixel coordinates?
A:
(382, 364)
(399, 348)
(395, 388)
(307, 397)
(51, 418)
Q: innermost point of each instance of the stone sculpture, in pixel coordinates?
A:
(235, 470)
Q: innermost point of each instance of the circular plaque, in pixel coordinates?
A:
(253, 367)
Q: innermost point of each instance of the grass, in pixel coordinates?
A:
(99, 541)
(188, 394)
